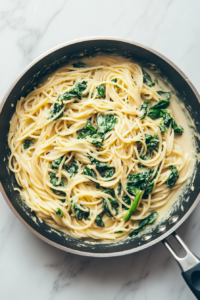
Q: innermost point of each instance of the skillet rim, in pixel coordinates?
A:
(92, 254)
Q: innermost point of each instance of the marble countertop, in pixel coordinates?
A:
(31, 269)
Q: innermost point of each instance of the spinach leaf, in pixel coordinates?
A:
(106, 208)
(148, 190)
(165, 95)
(72, 168)
(27, 143)
(142, 224)
(55, 110)
(152, 142)
(166, 117)
(109, 191)
(87, 130)
(58, 211)
(107, 173)
(119, 231)
(134, 205)
(55, 164)
(126, 200)
(97, 144)
(147, 79)
(114, 80)
(162, 104)
(54, 180)
(97, 163)
(89, 172)
(80, 214)
(101, 91)
(172, 177)
(147, 156)
(104, 170)
(139, 180)
(90, 127)
(162, 127)
(79, 64)
(177, 128)
(75, 92)
(106, 123)
(143, 109)
(99, 220)
(119, 188)
(155, 113)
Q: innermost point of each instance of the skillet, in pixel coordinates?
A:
(179, 211)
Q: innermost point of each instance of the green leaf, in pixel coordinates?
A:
(114, 80)
(146, 157)
(139, 180)
(177, 128)
(106, 123)
(27, 143)
(59, 212)
(119, 231)
(79, 64)
(119, 188)
(127, 201)
(54, 182)
(104, 170)
(165, 95)
(133, 205)
(148, 190)
(89, 172)
(106, 208)
(72, 168)
(146, 78)
(107, 173)
(87, 130)
(152, 142)
(55, 164)
(166, 117)
(143, 109)
(101, 91)
(77, 91)
(80, 214)
(162, 104)
(155, 113)
(97, 144)
(173, 177)
(55, 109)
(109, 191)
(162, 127)
(97, 163)
(99, 220)
(142, 225)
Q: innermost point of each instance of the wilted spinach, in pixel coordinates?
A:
(101, 91)
(142, 224)
(143, 109)
(77, 91)
(72, 168)
(55, 109)
(99, 220)
(80, 214)
(173, 177)
(58, 211)
(27, 143)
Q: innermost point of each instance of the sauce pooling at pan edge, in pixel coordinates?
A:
(97, 148)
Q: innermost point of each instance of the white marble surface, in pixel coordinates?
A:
(31, 269)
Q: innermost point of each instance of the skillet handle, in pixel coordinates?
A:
(190, 265)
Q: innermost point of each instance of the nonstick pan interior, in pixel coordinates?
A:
(30, 78)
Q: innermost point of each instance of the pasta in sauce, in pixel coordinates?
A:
(94, 148)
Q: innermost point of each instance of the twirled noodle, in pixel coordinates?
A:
(53, 137)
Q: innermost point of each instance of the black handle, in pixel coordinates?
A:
(192, 278)
(190, 265)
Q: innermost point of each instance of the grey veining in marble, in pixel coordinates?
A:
(31, 269)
